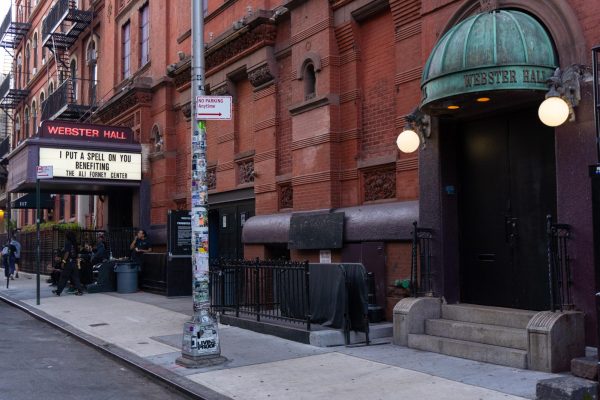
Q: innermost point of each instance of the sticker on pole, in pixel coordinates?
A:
(213, 107)
(45, 172)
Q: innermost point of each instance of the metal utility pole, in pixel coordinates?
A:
(201, 346)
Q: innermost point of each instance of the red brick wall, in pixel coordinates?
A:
(377, 80)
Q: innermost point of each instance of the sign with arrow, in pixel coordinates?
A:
(213, 107)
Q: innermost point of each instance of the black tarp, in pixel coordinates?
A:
(338, 293)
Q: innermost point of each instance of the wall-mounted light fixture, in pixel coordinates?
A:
(415, 132)
(563, 95)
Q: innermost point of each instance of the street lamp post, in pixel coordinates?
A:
(201, 346)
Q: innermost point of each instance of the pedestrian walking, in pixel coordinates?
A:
(17, 246)
(69, 262)
(8, 260)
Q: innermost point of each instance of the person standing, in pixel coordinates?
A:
(17, 246)
(139, 246)
(69, 262)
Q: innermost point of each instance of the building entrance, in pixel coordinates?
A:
(507, 187)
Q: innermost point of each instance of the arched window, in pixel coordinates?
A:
(19, 70)
(92, 60)
(17, 134)
(27, 57)
(42, 99)
(26, 118)
(50, 88)
(35, 50)
(73, 77)
(156, 138)
(310, 81)
(34, 118)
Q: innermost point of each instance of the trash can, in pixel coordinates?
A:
(127, 277)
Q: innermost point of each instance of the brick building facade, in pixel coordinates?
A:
(321, 90)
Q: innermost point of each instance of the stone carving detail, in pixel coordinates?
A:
(260, 76)
(118, 108)
(246, 171)
(183, 77)
(186, 109)
(488, 5)
(222, 90)
(380, 184)
(265, 34)
(211, 178)
(286, 196)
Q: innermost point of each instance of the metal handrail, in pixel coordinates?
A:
(57, 100)
(421, 275)
(55, 16)
(6, 23)
(559, 265)
(5, 86)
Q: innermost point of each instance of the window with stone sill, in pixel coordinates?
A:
(379, 184)
(245, 171)
(310, 82)
(286, 196)
(211, 178)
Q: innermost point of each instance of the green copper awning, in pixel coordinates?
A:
(497, 50)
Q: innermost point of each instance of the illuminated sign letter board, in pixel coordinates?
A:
(92, 164)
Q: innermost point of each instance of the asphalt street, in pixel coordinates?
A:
(38, 361)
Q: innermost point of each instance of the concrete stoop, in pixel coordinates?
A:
(543, 341)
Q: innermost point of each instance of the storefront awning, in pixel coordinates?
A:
(503, 50)
(28, 201)
(377, 222)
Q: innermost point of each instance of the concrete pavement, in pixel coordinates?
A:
(147, 328)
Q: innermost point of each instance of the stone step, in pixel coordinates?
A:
(514, 358)
(585, 367)
(479, 333)
(508, 317)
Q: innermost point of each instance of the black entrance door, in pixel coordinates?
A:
(507, 188)
(226, 223)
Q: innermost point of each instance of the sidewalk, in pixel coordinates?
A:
(145, 330)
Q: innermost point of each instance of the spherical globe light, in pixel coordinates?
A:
(553, 111)
(408, 141)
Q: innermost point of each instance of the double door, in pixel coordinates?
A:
(508, 186)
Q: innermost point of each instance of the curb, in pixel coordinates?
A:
(169, 378)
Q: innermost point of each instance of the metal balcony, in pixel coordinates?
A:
(62, 105)
(9, 96)
(12, 32)
(64, 24)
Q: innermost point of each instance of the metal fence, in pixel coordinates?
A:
(559, 265)
(421, 283)
(268, 290)
(116, 240)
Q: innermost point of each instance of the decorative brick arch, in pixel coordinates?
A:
(309, 58)
(557, 16)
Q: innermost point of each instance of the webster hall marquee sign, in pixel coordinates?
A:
(84, 157)
(90, 164)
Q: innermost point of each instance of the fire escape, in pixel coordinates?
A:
(60, 30)
(11, 93)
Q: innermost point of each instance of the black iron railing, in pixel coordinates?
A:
(268, 290)
(421, 282)
(559, 265)
(5, 86)
(56, 15)
(6, 23)
(4, 147)
(58, 100)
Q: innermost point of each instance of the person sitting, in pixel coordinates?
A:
(99, 254)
